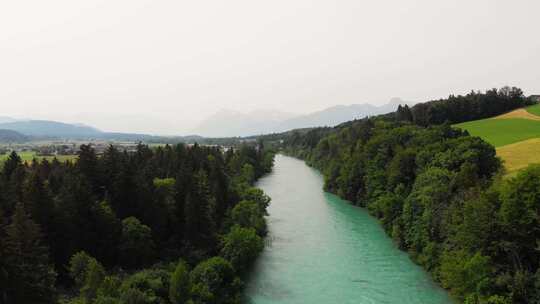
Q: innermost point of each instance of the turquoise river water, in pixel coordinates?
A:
(321, 249)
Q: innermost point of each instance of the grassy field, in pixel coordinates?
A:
(29, 156)
(516, 135)
(519, 113)
(519, 155)
(501, 132)
(534, 109)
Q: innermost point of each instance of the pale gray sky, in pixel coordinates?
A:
(162, 66)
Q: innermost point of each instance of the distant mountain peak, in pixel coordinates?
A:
(229, 123)
(48, 128)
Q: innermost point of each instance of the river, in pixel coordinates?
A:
(321, 249)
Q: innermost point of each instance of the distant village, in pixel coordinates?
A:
(70, 147)
(60, 148)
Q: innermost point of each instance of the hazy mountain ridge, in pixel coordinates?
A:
(229, 123)
(10, 136)
(47, 128)
(6, 119)
(224, 123)
(27, 130)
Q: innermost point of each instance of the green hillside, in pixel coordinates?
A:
(519, 155)
(534, 109)
(500, 132)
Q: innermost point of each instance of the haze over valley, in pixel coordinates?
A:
(229, 123)
(222, 124)
(270, 152)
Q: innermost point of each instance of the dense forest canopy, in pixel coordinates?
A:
(112, 228)
(437, 191)
(456, 109)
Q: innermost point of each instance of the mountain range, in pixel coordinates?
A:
(226, 123)
(10, 136)
(27, 130)
(47, 128)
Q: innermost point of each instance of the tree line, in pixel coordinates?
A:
(438, 192)
(461, 108)
(174, 224)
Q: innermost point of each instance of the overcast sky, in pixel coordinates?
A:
(162, 66)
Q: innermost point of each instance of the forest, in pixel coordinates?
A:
(461, 108)
(439, 193)
(172, 224)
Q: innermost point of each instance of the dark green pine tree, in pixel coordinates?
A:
(38, 201)
(14, 188)
(404, 113)
(199, 212)
(87, 164)
(11, 168)
(2, 203)
(3, 265)
(12, 163)
(219, 186)
(123, 193)
(31, 277)
(74, 224)
(44, 169)
(56, 175)
(407, 113)
(110, 163)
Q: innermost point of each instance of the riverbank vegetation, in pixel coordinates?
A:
(438, 193)
(175, 224)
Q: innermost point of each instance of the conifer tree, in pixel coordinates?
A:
(12, 163)
(14, 189)
(38, 201)
(87, 164)
(110, 164)
(3, 266)
(44, 169)
(199, 210)
(76, 223)
(31, 276)
(123, 192)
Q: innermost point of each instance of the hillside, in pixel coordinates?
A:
(338, 114)
(515, 134)
(4, 119)
(10, 136)
(19, 131)
(46, 128)
(518, 156)
(437, 190)
(501, 132)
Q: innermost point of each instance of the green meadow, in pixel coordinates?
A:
(501, 132)
(29, 156)
(517, 139)
(534, 109)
